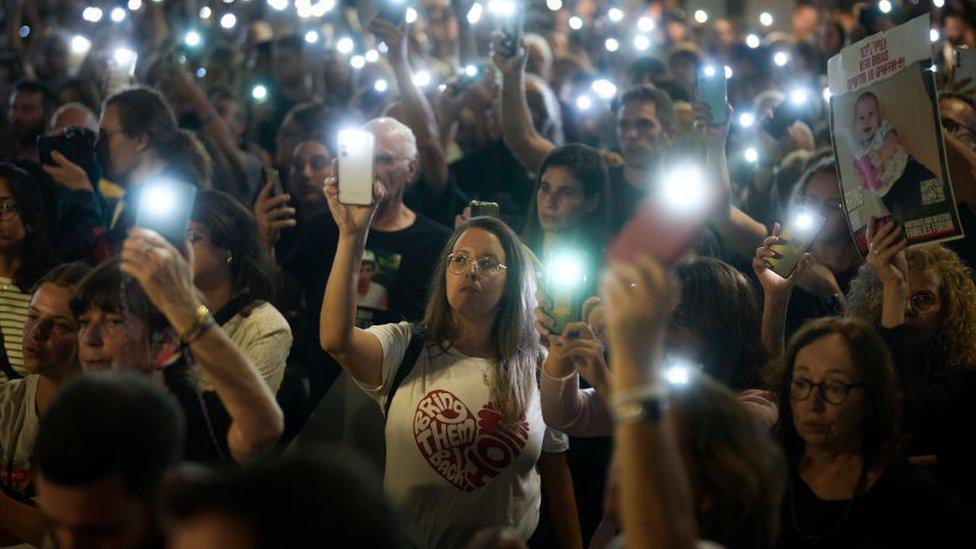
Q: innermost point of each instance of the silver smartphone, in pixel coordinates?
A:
(355, 167)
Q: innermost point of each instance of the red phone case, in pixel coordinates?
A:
(658, 231)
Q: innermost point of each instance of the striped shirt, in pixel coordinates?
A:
(13, 316)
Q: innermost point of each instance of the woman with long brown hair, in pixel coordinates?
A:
(464, 426)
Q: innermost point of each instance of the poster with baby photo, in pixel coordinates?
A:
(884, 123)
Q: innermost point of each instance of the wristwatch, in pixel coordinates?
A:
(649, 409)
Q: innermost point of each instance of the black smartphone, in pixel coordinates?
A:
(485, 209)
(75, 143)
(510, 26)
(165, 205)
(271, 176)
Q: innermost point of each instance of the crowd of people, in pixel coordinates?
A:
(468, 360)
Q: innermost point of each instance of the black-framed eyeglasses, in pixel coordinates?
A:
(834, 392)
(923, 302)
(458, 264)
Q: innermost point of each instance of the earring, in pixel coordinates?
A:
(230, 259)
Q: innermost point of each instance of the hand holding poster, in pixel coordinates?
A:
(887, 138)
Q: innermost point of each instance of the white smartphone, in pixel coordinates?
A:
(355, 167)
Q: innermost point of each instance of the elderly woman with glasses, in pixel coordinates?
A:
(923, 300)
(840, 418)
(464, 427)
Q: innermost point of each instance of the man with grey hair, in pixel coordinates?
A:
(72, 114)
(406, 246)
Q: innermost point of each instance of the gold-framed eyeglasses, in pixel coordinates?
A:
(458, 264)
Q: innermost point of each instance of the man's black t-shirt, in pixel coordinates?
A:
(624, 198)
(393, 282)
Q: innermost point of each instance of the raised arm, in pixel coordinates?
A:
(776, 294)
(655, 496)
(518, 132)
(357, 351)
(213, 125)
(166, 277)
(417, 111)
(741, 232)
(887, 258)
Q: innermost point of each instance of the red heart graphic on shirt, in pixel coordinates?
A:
(466, 452)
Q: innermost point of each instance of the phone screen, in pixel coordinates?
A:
(271, 176)
(165, 206)
(565, 284)
(355, 167)
(713, 92)
(795, 240)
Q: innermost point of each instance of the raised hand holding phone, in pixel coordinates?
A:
(352, 219)
(794, 240)
(355, 167)
(773, 283)
(713, 92)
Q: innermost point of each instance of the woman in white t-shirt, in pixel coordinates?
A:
(464, 430)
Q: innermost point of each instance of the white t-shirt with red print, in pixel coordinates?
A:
(18, 431)
(450, 465)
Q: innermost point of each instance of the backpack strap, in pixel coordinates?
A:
(417, 336)
(5, 366)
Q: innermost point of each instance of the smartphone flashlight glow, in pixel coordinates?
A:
(751, 154)
(475, 13)
(683, 189)
(803, 221)
(471, 70)
(781, 58)
(708, 71)
(753, 41)
(345, 45)
(701, 16)
(747, 119)
(80, 45)
(615, 14)
(192, 39)
(678, 370)
(612, 44)
(799, 96)
(158, 199)
(502, 8)
(604, 88)
(259, 92)
(584, 102)
(575, 22)
(565, 269)
(554, 5)
(380, 85)
(351, 138)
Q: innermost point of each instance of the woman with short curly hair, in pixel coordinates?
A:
(940, 313)
(924, 302)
